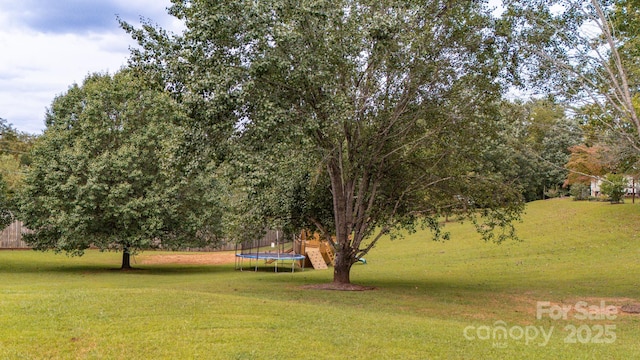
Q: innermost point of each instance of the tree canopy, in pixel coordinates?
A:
(539, 136)
(614, 186)
(107, 173)
(14, 159)
(384, 108)
(583, 52)
(585, 163)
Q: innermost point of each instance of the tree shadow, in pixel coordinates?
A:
(85, 269)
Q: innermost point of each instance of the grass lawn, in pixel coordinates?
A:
(433, 300)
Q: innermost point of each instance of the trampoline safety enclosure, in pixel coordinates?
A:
(272, 248)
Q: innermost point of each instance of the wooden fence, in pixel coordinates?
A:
(11, 236)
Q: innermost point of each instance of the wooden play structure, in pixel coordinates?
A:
(318, 251)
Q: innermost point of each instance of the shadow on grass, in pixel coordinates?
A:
(271, 269)
(85, 269)
(300, 279)
(183, 269)
(439, 287)
(93, 262)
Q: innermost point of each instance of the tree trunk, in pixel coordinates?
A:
(342, 267)
(126, 259)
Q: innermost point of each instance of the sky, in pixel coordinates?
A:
(48, 45)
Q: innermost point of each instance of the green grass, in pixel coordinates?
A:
(56, 307)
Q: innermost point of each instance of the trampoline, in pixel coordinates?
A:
(274, 257)
(271, 248)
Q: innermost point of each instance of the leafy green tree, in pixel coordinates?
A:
(625, 19)
(14, 159)
(582, 52)
(539, 137)
(381, 112)
(15, 143)
(7, 205)
(614, 187)
(580, 191)
(107, 172)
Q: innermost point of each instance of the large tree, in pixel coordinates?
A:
(583, 52)
(108, 172)
(586, 163)
(539, 137)
(14, 159)
(384, 108)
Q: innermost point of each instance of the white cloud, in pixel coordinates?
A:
(41, 66)
(38, 64)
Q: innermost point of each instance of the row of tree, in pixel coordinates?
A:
(15, 158)
(585, 53)
(358, 119)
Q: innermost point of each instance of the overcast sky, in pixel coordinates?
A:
(48, 45)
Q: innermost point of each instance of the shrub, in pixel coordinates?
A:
(580, 192)
(613, 186)
(554, 193)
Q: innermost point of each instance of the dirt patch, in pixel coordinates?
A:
(338, 287)
(204, 258)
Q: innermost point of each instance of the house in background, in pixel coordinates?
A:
(631, 189)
